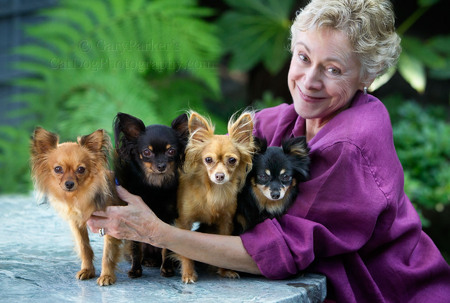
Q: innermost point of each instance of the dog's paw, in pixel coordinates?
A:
(189, 278)
(167, 272)
(151, 263)
(85, 273)
(105, 280)
(227, 273)
(135, 273)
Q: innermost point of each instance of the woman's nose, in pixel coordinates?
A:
(312, 79)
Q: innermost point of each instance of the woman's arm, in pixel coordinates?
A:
(218, 250)
(138, 223)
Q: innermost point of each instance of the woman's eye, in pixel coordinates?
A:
(58, 170)
(146, 153)
(208, 160)
(81, 170)
(334, 71)
(302, 57)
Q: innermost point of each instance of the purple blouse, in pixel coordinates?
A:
(352, 221)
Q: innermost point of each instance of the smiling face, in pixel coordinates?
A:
(324, 73)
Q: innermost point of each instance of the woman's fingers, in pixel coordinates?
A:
(135, 221)
(125, 195)
(95, 223)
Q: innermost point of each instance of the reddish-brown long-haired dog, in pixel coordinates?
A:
(214, 171)
(75, 178)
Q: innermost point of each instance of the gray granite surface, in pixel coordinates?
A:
(38, 264)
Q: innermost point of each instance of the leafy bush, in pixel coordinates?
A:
(421, 140)
(14, 168)
(267, 100)
(256, 31)
(92, 59)
(420, 59)
(154, 59)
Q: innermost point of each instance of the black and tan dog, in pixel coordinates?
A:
(147, 159)
(272, 185)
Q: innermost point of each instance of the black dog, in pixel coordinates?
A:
(146, 163)
(272, 184)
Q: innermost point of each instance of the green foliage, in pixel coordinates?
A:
(257, 31)
(156, 58)
(421, 140)
(92, 59)
(422, 58)
(267, 100)
(14, 168)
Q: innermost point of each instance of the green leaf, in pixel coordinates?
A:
(422, 51)
(256, 31)
(425, 3)
(92, 59)
(440, 44)
(413, 71)
(441, 73)
(383, 79)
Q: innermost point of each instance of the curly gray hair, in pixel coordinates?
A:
(368, 24)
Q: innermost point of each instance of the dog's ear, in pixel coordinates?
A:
(200, 128)
(180, 125)
(296, 146)
(129, 125)
(241, 130)
(260, 144)
(43, 141)
(297, 151)
(98, 141)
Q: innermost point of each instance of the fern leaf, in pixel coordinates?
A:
(114, 58)
(257, 31)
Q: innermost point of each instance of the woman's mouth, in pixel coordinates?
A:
(308, 98)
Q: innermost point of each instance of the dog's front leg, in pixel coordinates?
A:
(188, 273)
(226, 228)
(167, 266)
(136, 260)
(111, 255)
(84, 251)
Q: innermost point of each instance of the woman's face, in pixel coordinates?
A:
(324, 74)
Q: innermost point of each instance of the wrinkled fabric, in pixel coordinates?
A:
(352, 221)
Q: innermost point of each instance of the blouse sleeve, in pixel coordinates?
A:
(275, 123)
(335, 212)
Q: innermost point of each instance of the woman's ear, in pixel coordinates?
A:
(366, 83)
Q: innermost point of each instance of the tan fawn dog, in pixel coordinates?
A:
(76, 179)
(214, 172)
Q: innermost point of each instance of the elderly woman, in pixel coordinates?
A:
(352, 220)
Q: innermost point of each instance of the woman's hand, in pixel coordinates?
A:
(136, 221)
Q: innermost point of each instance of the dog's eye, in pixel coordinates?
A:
(81, 170)
(263, 178)
(58, 170)
(232, 161)
(171, 151)
(208, 160)
(146, 153)
(285, 178)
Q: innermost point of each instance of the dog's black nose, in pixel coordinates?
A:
(161, 167)
(275, 195)
(220, 176)
(69, 184)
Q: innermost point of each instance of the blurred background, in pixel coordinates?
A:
(70, 66)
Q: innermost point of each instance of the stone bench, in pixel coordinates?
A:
(38, 264)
